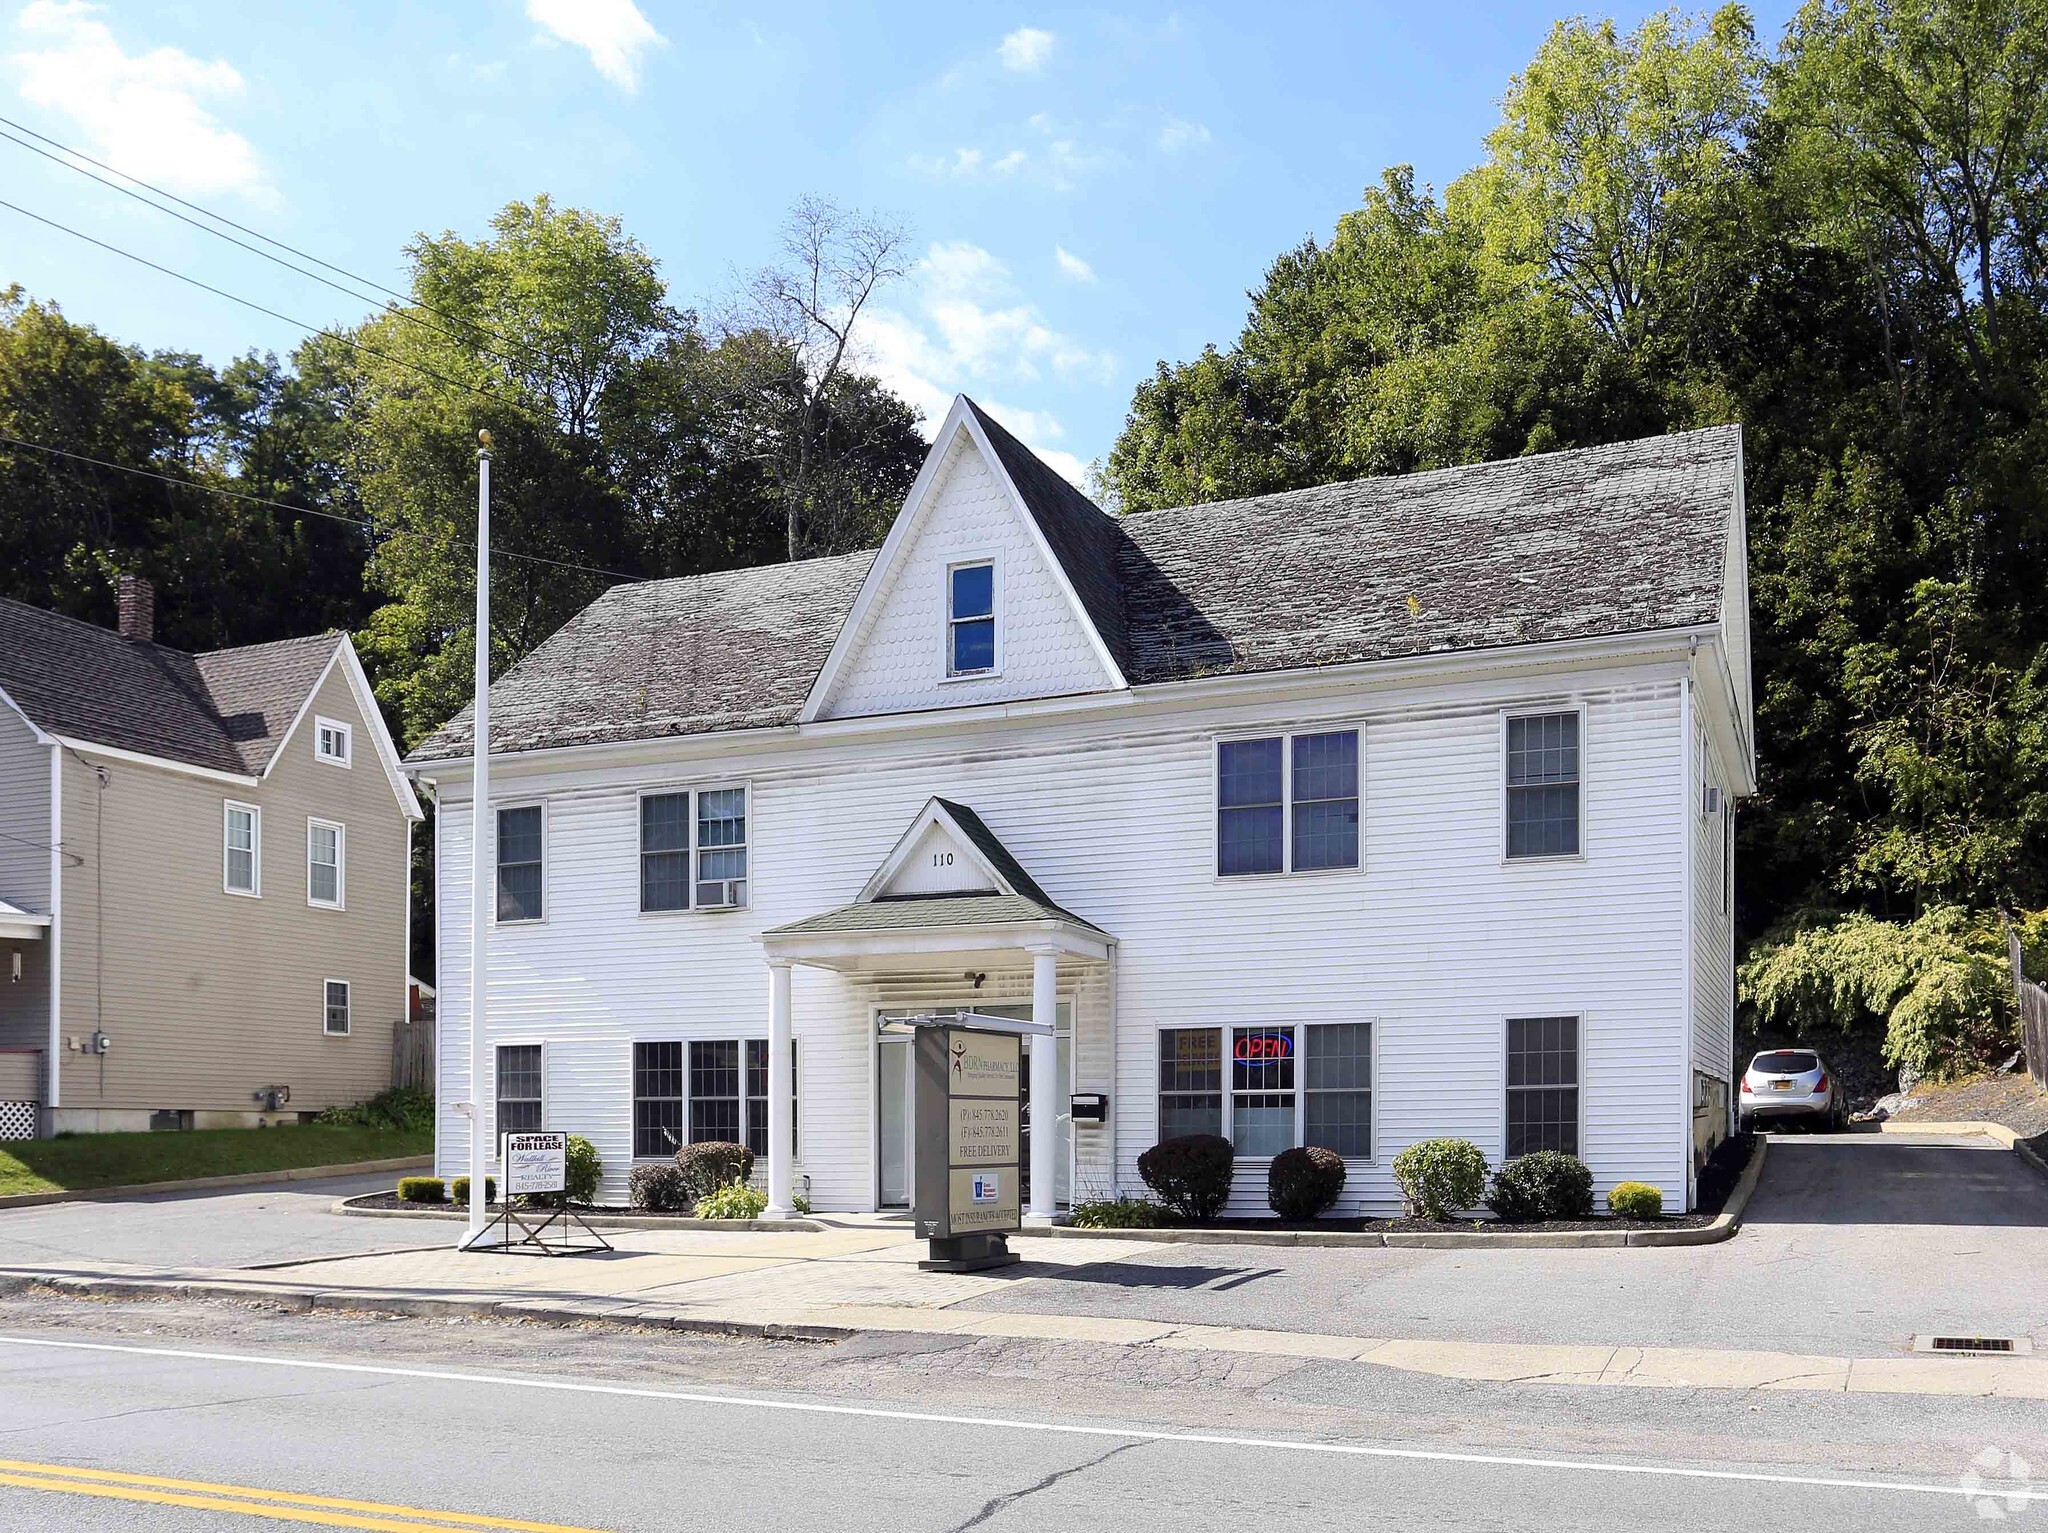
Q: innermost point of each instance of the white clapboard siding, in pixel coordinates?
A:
(1713, 945)
(1435, 940)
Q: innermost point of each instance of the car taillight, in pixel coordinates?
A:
(1745, 1086)
(1822, 1083)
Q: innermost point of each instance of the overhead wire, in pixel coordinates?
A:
(333, 516)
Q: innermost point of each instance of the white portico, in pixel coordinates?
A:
(948, 898)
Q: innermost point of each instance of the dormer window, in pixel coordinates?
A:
(971, 618)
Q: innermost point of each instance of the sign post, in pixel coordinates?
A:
(969, 1116)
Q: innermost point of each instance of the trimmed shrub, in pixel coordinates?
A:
(711, 1165)
(1191, 1174)
(1438, 1177)
(735, 1200)
(1304, 1181)
(459, 1189)
(422, 1189)
(581, 1171)
(1125, 1213)
(1635, 1200)
(658, 1188)
(1548, 1184)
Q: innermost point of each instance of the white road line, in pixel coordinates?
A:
(1054, 1428)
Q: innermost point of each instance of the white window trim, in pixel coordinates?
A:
(689, 904)
(546, 903)
(745, 788)
(340, 900)
(1534, 711)
(994, 560)
(1528, 1013)
(348, 1005)
(1286, 737)
(686, 1039)
(348, 738)
(497, 1130)
(255, 889)
(1232, 1029)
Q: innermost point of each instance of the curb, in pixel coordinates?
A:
(203, 1183)
(1997, 1131)
(600, 1221)
(1723, 1227)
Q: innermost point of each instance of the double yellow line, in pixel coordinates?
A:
(280, 1505)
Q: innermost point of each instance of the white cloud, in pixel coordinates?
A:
(1178, 133)
(144, 113)
(612, 32)
(966, 328)
(1071, 265)
(1026, 50)
(968, 164)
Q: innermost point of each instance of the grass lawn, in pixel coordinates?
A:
(84, 1161)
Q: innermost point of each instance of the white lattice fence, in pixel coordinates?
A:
(18, 1120)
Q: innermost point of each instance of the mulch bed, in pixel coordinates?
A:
(392, 1200)
(1406, 1226)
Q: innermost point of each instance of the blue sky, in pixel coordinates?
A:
(1090, 190)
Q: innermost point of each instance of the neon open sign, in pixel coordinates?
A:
(1265, 1046)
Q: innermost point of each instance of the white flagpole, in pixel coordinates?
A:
(480, 843)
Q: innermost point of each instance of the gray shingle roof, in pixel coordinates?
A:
(927, 911)
(226, 709)
(1600, 540)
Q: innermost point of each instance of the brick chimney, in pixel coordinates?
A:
(138, 609)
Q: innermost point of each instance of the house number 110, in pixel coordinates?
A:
(942, 859)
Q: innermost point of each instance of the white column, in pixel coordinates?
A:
(781, 1091)
(1046, 1105)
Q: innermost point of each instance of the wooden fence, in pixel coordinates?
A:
(2033, 999)
(412, 1055)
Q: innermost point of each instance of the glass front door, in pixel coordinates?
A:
(892, 1101)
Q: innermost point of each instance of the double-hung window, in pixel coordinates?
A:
(519, 1089)
(241, 848)
(715, 1090)
(1542, 785)
(326, 844)
(1287, 803)
(658, 1099)
(1543, 1085)
(757, 1095)
(722, 848)
(665, 851)
(334, 1014)
(971, 618)
(521, 832)
(332, 741)
(1289, 1084)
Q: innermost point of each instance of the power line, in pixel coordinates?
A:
(204, 212)
(279, 505)
(311, 329)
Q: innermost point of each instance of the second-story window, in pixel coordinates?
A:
(1287, 803)
(665, 851)
(325, 849)
(971, 619)
(721, 848)
(1542, 785)
(241, 847)
(520, 834)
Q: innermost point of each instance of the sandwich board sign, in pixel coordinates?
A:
(969, 1137)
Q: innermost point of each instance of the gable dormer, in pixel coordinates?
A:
(997, 583)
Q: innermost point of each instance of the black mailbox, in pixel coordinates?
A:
(1089, 1107)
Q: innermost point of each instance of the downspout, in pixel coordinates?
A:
(53, 1088)
(1690, 791)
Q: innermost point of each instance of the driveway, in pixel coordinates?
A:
(233, 1227)
(1854, 1243)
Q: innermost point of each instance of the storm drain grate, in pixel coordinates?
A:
(1997, 1346)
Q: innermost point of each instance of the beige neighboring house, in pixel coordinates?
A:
(204, 878)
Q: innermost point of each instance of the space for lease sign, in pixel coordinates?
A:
(536, 1163)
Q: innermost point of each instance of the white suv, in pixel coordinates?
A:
(1790, 1083)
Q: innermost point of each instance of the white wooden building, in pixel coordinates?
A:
(1353, 815)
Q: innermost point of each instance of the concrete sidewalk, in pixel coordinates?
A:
(859, 1274)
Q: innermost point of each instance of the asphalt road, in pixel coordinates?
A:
(282, 1222)
(1854, 1244)
(179, 1417)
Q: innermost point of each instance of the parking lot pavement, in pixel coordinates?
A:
(238, 1227)
(1853, 1244)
